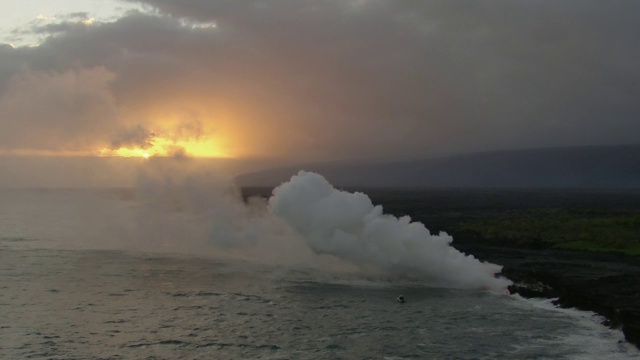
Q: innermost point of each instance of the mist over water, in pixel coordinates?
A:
(312, 272)
(305, 223)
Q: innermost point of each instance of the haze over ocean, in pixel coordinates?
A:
(186, 269)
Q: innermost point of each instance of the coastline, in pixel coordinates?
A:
(600, 282)
(604, 283)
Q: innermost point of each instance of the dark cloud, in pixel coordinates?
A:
(79, 15)
(136, 137)
(50, 111)
(318, 80)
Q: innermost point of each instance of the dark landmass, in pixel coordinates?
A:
(530, 231)
(595, 167)
(597, 220)
(604, 283)
(527, 231)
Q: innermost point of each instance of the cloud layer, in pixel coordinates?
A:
(329, 80)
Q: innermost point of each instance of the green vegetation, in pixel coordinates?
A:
(563, 229)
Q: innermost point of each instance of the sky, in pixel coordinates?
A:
(307, 81)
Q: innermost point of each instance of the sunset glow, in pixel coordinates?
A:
(163, 147)
(303, 82)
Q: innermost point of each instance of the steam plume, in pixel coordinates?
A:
(179, 209)
(348, 226)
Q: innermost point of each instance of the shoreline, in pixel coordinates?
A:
(604, 283)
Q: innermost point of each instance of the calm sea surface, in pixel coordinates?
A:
(62, 303)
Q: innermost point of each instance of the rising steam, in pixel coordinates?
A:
(306, 223)
(348, 226)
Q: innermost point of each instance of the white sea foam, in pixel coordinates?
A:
(587, 331)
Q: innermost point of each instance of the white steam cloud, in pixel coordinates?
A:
(348, 226)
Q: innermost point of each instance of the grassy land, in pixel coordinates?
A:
(592, 230)
(592, 221)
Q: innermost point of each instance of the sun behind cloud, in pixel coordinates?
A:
(164, 147)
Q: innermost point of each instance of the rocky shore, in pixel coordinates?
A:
(607, 284)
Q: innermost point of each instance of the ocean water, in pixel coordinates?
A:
(62, 298)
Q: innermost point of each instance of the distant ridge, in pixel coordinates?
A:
(596, 167)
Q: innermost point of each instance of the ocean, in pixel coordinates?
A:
(83, 276)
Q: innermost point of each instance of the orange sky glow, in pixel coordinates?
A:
(166, 147)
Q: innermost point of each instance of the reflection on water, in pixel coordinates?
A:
(101, 304)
